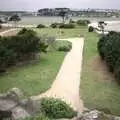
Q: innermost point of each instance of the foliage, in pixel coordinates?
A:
(54, 25)
(72, 21)
(62, 25)
(27, 31)
(55, 108)
(67, 26)
(15, 17)
(83, 22)
(20, 47)
(1, 21)
(63, 15)
(90, 29)
(109, 50)
(0, 26)
(61, 45)
(41, 26)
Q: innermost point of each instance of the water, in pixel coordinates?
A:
(48, 20)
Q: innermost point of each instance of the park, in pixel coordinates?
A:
(60, 64)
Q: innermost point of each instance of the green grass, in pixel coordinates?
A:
(67, 33)
(98, 89)
(33, 78)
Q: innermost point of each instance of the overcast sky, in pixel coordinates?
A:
(36, 4)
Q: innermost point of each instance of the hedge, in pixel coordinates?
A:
(0, 26)
(90, 29)
(57, 109)
(19, 48)
(61, 45)
(109, 50)
(83, 22)
(62, 25)
(54, 25)
(41, 26)
(67, 26)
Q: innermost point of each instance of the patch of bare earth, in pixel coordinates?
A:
(9, 32)
(100, 69)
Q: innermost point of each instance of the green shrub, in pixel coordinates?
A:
(83, 22)
(27, 32)
(54, 25)
(61, 45)
(90, 29)
(109, 50)
(41, 26)
(55, 108)
(19, 48)
(72, 21)
(0, 26)
(67, 26)
(100, 46)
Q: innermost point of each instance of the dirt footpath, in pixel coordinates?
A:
(67, 83)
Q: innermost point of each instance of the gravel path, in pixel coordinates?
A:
(67, 83)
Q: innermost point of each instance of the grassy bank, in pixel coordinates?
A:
(33, 78)
(98, 87)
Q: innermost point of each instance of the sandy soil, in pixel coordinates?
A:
(67, 83)
(8, 32)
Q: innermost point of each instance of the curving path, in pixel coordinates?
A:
(67, 83)
(8, 32)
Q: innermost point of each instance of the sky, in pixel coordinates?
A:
(33, 5)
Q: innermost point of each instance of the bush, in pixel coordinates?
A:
(0, 26)
(90, 29)
(19, 48)
(83, 22)
(41, 26)
(27, 32)
(72, 21)
(61, 45)
(55, 108)
(66, 26)
(54, 25)
(109, 50)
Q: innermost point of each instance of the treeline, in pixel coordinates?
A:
(21, 47)
(109, 50)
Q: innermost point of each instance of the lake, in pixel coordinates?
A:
(48, 20)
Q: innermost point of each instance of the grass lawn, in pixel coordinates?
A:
(33, 78)
(98, 87)
(67, 33)
(38, 77)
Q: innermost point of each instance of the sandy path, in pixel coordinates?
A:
(8, 32)
(67, 83)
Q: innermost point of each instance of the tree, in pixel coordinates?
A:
(101, 25)
(15, 18)
(63, 15)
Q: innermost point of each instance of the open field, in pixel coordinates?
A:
(66, 33)
(98, 87)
